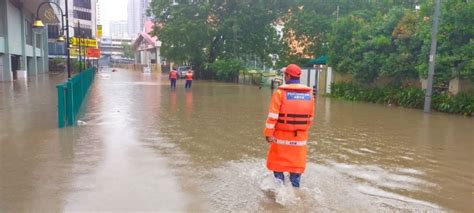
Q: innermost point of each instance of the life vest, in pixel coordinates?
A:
(173, 74)
(289, 117)
(189, 76)
(296, 108)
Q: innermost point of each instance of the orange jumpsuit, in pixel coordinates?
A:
(289, 118)
(189, 76)
(173, 74)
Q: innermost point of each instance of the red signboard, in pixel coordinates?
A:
(93, 52)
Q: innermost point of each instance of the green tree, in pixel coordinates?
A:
(127, 50)
(455, 52)
(367, 38)
(203, 31)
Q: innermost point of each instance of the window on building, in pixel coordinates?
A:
(56, 48)
(82, 3)
(84, 32)
(1, 24)
(82, 15)
(53, 31)
(28, 32)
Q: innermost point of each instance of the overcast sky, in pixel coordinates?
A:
(112, 10)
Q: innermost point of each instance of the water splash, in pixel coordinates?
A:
(249, 187)
(283, 193)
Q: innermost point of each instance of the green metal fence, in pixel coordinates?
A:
(71, 94)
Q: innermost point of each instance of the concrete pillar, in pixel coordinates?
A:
(34, 60)
(158, 57)
(23, 60)
(30, 62)
(5, 68)
(454, 86)
(44, 53)
(40, 61)
(329, 80)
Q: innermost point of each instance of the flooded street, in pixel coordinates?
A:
(145, 147)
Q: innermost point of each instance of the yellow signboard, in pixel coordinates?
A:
(84, 42)
(73, 52)
(99, 31)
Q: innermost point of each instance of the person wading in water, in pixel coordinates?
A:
(286, 130)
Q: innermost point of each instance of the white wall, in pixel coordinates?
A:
(312, 77)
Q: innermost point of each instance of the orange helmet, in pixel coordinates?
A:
(293, 70)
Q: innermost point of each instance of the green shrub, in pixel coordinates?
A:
(227, 69)
(409, 97)
(76, 66)
(57, 64)
(461, 103)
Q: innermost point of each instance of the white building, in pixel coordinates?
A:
(136, 16)
(119, 29)
(113, 46)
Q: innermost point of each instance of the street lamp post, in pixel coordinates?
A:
(38, 24)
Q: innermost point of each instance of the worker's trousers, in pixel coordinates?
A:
(294, 178)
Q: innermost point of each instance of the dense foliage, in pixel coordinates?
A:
(410, 97)
(396, 43)
(227, 69)
(201, 32)
(366, 38)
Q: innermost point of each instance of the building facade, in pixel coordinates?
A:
(137, 16)
(119, 29)
(82, 23)
(113, 46)
(21, 49)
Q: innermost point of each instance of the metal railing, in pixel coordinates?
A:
(71, 94)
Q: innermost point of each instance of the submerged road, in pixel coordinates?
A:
(145, 147)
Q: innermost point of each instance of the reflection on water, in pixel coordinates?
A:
(147, 147)
(189, 101)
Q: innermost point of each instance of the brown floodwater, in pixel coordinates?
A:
(145, 147)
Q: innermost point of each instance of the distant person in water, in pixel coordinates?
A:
(173, 77)
(189, 79)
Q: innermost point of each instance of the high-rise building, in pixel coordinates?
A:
(137, 16)
(119, 29)
(82, 22)
(81, 12)
(84, 14)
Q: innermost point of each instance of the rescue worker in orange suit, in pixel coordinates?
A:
(189, 79)
(173, 76)
(286, 130)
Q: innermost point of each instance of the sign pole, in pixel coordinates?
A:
(68, 54)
